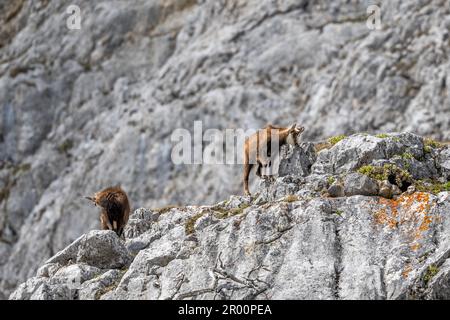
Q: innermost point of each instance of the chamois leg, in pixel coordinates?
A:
(106, 225)
(258, 169)
(259, 172)
(120, 233)
(247, 168)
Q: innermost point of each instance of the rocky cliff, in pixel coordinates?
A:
(366, 217)
(84, 109)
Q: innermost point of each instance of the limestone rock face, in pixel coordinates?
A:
(291, 240)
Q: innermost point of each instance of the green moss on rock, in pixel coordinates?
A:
(428, 142)
(189, 226)
(430, 273)
(65, 146)
(431, 186)
(336, 139)
(388, 172)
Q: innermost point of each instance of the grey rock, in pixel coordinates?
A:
(396, 190)
(438, 287)
(444, 162)
(48, 270)
(336, 190)
(96, 288)
(359, 184)
(297, 161)
(363, 149)
(386, 189)
(101, 249)
(411, 189)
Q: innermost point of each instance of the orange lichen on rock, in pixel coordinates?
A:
(411, 212)
(381, 217)
(406, 271)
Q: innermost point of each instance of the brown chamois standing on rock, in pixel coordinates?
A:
(115, 208)
(257, 148)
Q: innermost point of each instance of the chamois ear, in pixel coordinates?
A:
(91, 199)
(292, 127)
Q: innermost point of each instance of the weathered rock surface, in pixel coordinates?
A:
(302, 245)
(357, 183)
(97, 248)
(77, 105)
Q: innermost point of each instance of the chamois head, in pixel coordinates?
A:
(294, 133)
(101, 198)
(93, 199)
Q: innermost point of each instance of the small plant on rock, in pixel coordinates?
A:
(390, 172)
(430, 273)
(430, 143)
(336, 139)
(331, 180)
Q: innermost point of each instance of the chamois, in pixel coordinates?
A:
(257, 147)
(115, 208)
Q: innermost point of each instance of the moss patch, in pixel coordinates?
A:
(407, 156)
(20, 168)
(291, 198)
(430, 273)
(336, 139)
(382, 135)
(372, 172)
(238, 210)
(4, 193)
(428, 142)
(431, 186)
(165, 209)
(65, 146)
(104, 290)
(331, 180)
(390, 172)
(222, 213)
(111, 287)
(189, 226)
(319, 146)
